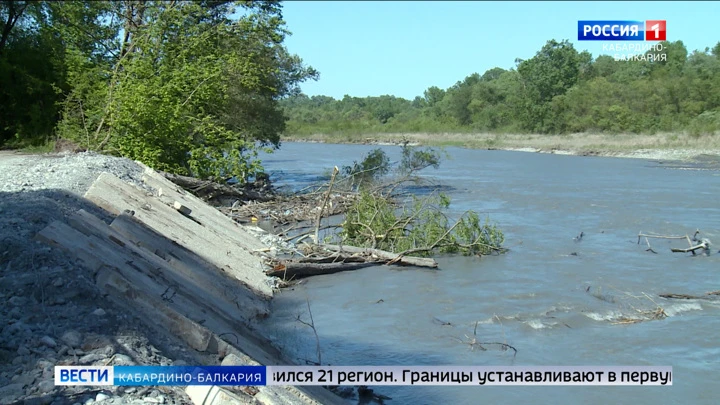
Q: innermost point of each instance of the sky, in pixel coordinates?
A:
(400, 48)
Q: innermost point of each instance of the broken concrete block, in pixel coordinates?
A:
(181, 208)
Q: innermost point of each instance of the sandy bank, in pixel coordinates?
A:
(656, 147)
(652, 154)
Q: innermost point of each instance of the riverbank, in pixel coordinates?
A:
(656, 147)
(58, 314)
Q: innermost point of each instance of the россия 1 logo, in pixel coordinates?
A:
(649, 30)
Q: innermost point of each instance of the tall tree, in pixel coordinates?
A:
(551, 72)
(32, 73)
(557, 91)
(188, 87)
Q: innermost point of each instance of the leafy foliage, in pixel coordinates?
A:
(376, 164)
(419, 228)
(707, 123)
(418, 225)
(190, 87)
(414, 159)
(32, 75)
(373, 166)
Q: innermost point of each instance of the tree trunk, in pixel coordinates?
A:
(12, 19)
(210, 190)
(289, 271)
(388, 256)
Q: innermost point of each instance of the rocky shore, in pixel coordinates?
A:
(54, 313)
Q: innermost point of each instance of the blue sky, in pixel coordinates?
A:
(371, 48)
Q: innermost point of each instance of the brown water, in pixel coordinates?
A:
(556, 308)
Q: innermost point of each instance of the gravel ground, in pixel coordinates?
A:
(53, 313)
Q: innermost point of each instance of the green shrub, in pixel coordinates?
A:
(707, 123)
(420, 228)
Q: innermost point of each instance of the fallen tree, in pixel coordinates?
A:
(213, 191)
(343, 258)
(384, 222)
(289, 270)
(704, 245)
(410, 231)
(420, 227)
(383, 225)
(388, 257)
(694, 243)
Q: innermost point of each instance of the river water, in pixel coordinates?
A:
(557, 301)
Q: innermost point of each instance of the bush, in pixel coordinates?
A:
(419, 229)
(375, 165)
(707, 123)
(415, 159)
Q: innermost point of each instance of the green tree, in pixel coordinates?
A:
(716, 50)
(419, 102)
(32, 73)
(373, 166)
(559, 90)
(551, 72)
(187, 88)
(605, 66)
(434, 95)
(492, 74)
(386, 107)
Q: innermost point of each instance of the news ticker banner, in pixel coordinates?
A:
(362, 375)
(648, 30)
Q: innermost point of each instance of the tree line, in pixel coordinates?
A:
(187, 86)
(557, 91)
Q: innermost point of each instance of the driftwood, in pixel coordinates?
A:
(290, 270)
(473, 343)
(209, 190)
(647, 240)
(682, 296)
(391, 258)
(344, 258)
(703, 245)
(335, 258)
(699, 243)
(649, 249)
(643, 235)
(707, 296)
(291, 210)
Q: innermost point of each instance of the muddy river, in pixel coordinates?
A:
(557, 301)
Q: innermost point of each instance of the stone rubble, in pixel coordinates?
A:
(54, 315)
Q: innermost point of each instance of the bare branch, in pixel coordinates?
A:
(311, 324)
(322, 208)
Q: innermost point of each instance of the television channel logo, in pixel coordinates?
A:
(84, 375)
(648, 30)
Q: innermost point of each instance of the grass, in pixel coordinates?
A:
(583, 143)
(38, 149)
(27, 147)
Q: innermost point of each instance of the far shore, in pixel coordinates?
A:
(656, 147)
